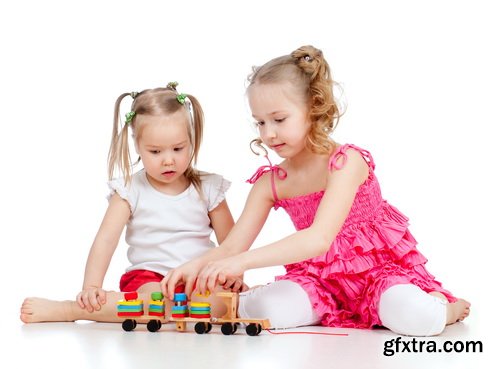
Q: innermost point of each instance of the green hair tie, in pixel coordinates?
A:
(181, 98)
(129, 116)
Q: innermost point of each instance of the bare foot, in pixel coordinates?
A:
(35, 309)
(455, 311)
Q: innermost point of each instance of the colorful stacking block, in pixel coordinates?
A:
(156, 305)
(130, 307)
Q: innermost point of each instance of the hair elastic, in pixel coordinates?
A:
(129, 116)
(173, 85)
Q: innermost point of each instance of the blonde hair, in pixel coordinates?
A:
(309, 73)
(158, 101)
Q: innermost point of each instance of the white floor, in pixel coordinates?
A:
(100, 345)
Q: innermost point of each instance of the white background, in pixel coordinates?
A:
(421, 83)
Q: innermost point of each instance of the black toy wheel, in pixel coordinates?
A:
(129, 325)
(259, 329)
(227, 329)
(253, 329)
(201, 327)
(154, 325)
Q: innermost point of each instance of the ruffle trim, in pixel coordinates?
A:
(220, 194)
(363, 246)
(339, 306)
(118, 186)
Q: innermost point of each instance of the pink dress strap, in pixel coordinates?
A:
(280, 172)
(340, 156)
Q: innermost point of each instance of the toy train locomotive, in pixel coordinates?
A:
(183, 312)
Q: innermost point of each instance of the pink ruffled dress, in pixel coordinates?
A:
(373, 251)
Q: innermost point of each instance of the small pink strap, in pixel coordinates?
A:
(341, 156)
(280, 172)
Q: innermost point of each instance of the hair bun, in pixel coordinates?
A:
(309, 59)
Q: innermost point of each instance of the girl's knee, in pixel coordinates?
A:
(284, 303)
(408, 310)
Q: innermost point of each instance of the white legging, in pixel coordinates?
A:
(404, 308)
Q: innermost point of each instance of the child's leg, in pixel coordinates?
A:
(35, 309)
(407, 309)
(284, 303)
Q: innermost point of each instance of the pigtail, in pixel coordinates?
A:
(119, 154)
(197, 122)
(197, 125)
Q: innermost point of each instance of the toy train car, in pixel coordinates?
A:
(183, 312)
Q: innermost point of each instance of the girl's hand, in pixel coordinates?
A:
(222, 272)
(91, 298)
(235, 285)
(185, 274)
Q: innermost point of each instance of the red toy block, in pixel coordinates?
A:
(128, 313)
(179, 315)
(200, 316)
(179, 288)
(153, 313)
(131, 295)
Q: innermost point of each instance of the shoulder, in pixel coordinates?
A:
(129, 191)
(348, 161)
(211, 180)
(214, 188)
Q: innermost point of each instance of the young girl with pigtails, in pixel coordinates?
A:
(352, 261)
(169, 208)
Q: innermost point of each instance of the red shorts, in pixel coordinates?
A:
(131, 281)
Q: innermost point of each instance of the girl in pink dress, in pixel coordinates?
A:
(352, 262)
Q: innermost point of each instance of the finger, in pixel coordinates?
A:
(189, 285)
(174, 280)
(170, 285)
(221, 279)
(165, 285)
(236, 287)
(79, 300)
(244, 287)
(201, 283)
(214, 280)
(93, 301)
(101, 296)
(230, 283)
(85, 301)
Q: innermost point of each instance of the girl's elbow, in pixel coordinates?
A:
(323, 243)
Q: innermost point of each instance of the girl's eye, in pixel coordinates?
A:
(260, 123)
(279, 120)
(178, 148)
(155, 151)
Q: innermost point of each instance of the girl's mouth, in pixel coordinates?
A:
(168, 173)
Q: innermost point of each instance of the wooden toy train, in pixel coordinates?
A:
(183, 312)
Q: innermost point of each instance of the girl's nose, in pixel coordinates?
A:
(269, 131)
(168, 160)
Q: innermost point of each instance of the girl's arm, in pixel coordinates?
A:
(239, 239)
(221, 220)
(117, 215)
(341, 189)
